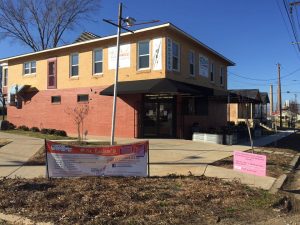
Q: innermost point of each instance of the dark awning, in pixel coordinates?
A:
(157, 86)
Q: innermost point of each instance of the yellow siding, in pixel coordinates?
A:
(183, 75)
(86, 78)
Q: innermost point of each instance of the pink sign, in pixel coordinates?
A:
(250, 163)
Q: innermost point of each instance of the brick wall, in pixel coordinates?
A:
(40, 112)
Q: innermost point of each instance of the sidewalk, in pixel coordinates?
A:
(16, 153)
(167, 156)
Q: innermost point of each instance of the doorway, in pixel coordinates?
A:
(159, 117)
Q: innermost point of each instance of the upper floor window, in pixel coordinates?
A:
(221, 76)
(98, 61)
(29, 67)
(212, 71)
(144, 54)
(192, 62)
(175, 56)
(74, 64)
(5, 76)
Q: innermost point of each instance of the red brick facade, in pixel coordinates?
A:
(40, 112)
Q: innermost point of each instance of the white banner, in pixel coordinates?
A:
(203, 66)
(72, 161)
(124, 60)
(157, 54)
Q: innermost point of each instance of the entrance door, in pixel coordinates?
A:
(51, 81)
(158, 119)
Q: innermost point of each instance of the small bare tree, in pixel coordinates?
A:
(78, 114)
(40, 24)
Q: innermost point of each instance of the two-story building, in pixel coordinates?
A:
(167, 82)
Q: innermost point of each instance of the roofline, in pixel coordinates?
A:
(5, 60)
(83, 42)
(200, 43)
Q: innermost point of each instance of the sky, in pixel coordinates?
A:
(252, 34)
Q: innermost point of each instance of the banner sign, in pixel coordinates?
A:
(203, 66)
(75, 161)
(157, 53)
(124, 60)
(250, 163)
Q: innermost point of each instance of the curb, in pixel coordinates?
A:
(282, 179)
(14, 219)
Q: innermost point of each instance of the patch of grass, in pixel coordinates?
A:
(263, 200)
(38, 135)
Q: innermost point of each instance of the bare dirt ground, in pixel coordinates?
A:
(170, 200)
(167, 200)
(279, 155)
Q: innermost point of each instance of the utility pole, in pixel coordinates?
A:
(279, 97)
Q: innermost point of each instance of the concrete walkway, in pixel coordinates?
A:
(167, 156)
(16, 153)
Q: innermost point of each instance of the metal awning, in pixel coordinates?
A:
(157, 86)
(20, 89)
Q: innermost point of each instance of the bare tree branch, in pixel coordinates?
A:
(41, 24)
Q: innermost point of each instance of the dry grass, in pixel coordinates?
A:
(170, 200)
(277, 164)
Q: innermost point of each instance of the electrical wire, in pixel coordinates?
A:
(285, 3)
(263, 80)
(287, 29)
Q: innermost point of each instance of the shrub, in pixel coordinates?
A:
(23, 127)
(11, 126)
(5, 125)
(61, 133)
(45, 131)
(34, 129)
(52, 131)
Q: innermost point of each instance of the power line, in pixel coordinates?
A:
(291, 23)
(287, 29)
(256, 79)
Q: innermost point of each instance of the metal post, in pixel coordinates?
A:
(116, 77)
(279, 97)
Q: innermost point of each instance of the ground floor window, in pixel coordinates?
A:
(55, 99)
(82, 98)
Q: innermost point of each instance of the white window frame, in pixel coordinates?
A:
(71, 65)
(192, 53)
(212, 71)
(222, 76)
(3, 76)
(94, 61)
(138, 54)
(178, 57)
(30, 68)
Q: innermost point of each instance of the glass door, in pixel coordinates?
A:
(158, 117)
(165, 119)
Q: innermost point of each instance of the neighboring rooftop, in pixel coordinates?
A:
(264, 97)
(247, 93)
(85, 36)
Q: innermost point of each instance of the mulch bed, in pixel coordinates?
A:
(169, 200)
(277, 164)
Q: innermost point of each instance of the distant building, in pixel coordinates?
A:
(248, 104)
